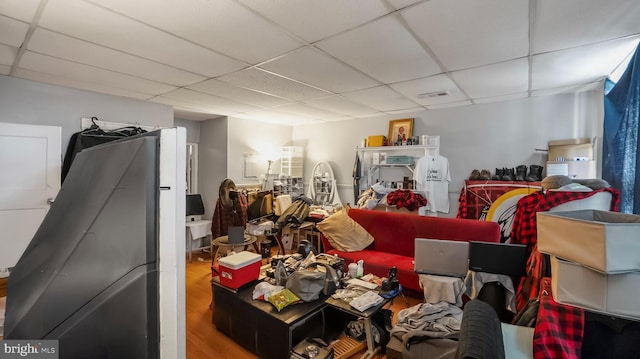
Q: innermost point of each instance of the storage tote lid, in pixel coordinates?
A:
(239, 260)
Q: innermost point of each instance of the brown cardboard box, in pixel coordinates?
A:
(573, 169)
(570, 149)
(394, 348)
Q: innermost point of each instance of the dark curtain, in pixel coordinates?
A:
(620, 148)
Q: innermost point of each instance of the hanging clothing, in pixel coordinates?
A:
(224, 217)
(432, 178)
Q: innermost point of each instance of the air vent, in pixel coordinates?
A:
(434, 94)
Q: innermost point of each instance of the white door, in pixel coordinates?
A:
(30, 163)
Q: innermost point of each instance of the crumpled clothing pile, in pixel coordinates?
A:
(407, 199)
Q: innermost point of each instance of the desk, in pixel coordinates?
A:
(196, 230)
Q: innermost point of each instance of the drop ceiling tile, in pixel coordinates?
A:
(509, 97)
(570, 23)
(384, 50)
(215, 104)
(449, 105)
(315, 20)
(381, 98)
(199, 20)
(186, 105)
(339, 104)
(311, 66)
(305, 110)
(4, 69)
(258, 80)
(417, 90)
(226, 90)
(84, 73)
(281, 118)
(469, 33)
(399, 4)
(192, 115)
(494, 80)
(54, 44)
(569, 89)
(7, 55)
(12, 32)
(23, 10)
(109, 29)
(579, 65)
(407, 110)
(87, 86)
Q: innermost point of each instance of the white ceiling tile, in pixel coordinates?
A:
(339, 104)
(449, 105)
(280, 118)
(226, 90)
(53, 44)
(568, 89)
(186, 105)
(4, 69)
(494, 80)
(79, 72)
(305, 110)
(12, 32)
(570, 23)
(468, 33)
(579, 65)
(384, 50)
(399, 4)
(515, 96)
(263, 81)
(88, 86)
(311, 66)
(216, 104)
(407, 110)
(23, 10)
(192, 115)
(416, 90)
(108, 29)
(381, 98)
(7, 55)
(201, 21)
(315, 20)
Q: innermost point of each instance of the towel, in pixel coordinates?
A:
(442, 289)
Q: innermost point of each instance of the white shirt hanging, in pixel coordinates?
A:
(432, 177)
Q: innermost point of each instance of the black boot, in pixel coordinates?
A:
(508, 174)
(521, 172)
(498, 175)
(535, 173)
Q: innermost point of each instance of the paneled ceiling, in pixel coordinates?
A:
(311, 61)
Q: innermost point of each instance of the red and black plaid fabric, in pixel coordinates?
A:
(407, 199)
(523, 229)
(559, 328)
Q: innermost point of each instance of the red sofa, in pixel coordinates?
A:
(394, 237)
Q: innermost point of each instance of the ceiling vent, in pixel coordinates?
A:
(434, 94)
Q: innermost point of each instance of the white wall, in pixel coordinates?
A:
(212, 161)
(35, 103)
(262, 139)
(483, 136)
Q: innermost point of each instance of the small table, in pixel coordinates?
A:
(366, 315)
(196, 230)
(223, 241)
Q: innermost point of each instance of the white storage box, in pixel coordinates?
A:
(602, 240)
(613, 294)
(239, 269)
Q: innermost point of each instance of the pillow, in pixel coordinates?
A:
(343, 233)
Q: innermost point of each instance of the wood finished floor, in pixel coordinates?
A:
(203, 339)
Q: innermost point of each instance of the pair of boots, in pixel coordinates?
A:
(483, 175)
(519, 174)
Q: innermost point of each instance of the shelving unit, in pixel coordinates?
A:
(373, 166)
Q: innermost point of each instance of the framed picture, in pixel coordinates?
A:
(400, 131)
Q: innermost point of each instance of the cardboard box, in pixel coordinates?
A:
(376, 141)
(570, 149)
(239, 269)
(394, 348)
(602, 240)
(612, 294)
